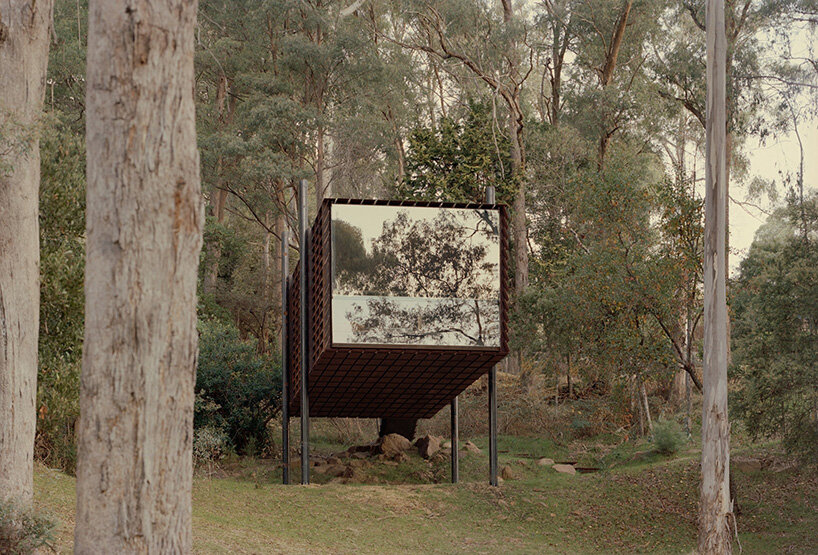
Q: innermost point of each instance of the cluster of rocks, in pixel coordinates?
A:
(394, 449)
(391, 449)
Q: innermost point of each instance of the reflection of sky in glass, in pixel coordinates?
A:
(415, 275)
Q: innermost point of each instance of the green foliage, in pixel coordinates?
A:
(210, 444)
(775, 332)
(458, 158)
(668, 437)
(237, 390)
(23, 531)
(62, 265)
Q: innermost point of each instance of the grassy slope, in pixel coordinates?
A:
(645, 505)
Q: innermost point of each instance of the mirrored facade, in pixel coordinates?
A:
(420, 276)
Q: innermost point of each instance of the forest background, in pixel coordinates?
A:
(588, 118)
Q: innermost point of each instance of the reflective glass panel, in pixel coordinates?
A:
(415, 276)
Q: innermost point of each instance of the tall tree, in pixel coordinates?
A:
(776, 331)
(144, 234)
(490, 51)
(24, 36)
(715, 507)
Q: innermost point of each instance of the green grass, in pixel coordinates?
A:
(639, 502)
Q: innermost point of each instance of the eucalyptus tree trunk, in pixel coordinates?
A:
(144, 234)
(24, 35)
(715, 508)
(606, 73)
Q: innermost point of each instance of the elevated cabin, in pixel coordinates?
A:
(408, 306)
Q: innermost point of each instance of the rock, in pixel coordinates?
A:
(545, 462)
(440, 456)
(334, 460)
(400, 457)
(361, 449)
(359, 455)
(746, 465)
(392, 444)
(390, 463)
(428, 445)
(334, 470)
(446, 444)
(506, 473)
(565, 468)
(471, 447)
(359, 463)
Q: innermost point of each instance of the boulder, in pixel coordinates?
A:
(565, 468)
(506, 473)
(446, 444)
(428, 445)
(471, 447)
(334, 460)
(393, 444)
(545, 462)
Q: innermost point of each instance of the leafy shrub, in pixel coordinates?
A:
(62, 265)
(23, 530)
(210, 444)
(237, 390)
(668, 437)
(57, 414)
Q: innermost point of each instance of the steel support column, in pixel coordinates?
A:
(491, 199)
(455, 442)
(304, 237)
(285, 378)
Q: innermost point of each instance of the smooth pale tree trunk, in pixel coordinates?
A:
(144, 234)
(607, 72)
(715, 508)
(646, 405)
(24, 35)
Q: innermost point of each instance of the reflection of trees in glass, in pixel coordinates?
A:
(349, 254)
(448, 264)
(444, 257)
(448, 321)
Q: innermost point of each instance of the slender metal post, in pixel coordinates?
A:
(490, 198)
(493, 426)
(455, 442)
(285, 352)
(304, 235)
